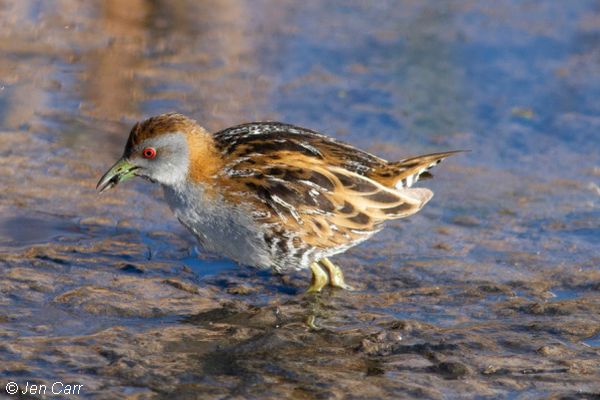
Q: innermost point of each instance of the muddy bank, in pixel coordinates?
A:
(122, 304)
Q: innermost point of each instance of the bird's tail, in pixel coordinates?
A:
(404, 173)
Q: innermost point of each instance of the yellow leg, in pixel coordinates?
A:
(336, 276)
(318, 279)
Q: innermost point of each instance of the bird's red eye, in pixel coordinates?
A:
(149, 152)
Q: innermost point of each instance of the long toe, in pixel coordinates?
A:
(343, 285)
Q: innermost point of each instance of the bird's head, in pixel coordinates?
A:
(167, 149)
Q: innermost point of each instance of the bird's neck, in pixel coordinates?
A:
(205, 160)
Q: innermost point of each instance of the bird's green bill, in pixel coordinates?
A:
(119, 172)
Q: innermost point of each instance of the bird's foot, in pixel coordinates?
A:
(318, 280)
(335, 275)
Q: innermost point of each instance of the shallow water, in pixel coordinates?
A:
(492, 291)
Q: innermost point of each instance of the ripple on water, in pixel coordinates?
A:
(23, 230)
(594, 341)
(562, 294)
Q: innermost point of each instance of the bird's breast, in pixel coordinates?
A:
(220, 227)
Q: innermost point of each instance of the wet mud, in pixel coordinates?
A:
(492, 291)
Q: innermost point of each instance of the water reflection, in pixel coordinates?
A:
(93, 68)
(109, 83)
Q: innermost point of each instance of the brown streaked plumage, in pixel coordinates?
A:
(273, 195)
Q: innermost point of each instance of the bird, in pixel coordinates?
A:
(272, 195)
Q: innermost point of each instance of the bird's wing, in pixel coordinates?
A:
(328, 192)
(322, 204)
